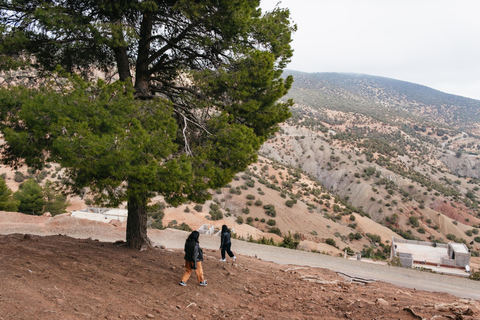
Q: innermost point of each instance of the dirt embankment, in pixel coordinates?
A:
(59, 277)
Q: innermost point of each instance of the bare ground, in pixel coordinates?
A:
(60, 277)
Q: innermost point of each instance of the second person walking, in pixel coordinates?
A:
(226, 244)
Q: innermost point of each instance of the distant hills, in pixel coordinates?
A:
(384, 98)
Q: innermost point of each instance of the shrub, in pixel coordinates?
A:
(477, 239)
(239, 220)
(421, 230)
(275, 230)
(250, 183)
(216, 214)
(270, 210)
(355, 236)
(475, 276)
(258, 203)
(289, 203)
(374, 237)
(246, 210)
(352, 217)
(330, 242)
(19, 177)
(198, 208)
(250, 197)
(271, 222)
(413, 221)
(289, 242)
(183, 226)
(451, 237)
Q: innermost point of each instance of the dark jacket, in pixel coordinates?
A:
(193, 252)
(226, 236)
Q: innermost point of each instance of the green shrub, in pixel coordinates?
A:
(413, 221)
(271, 222)
(258, 203)
(289, 242)
(216, 214)
(239, 220)
(198, 208)
(330, 242)
(374, 237)
(250, 197)
(19, 177)
(250, 183)
(275, 230)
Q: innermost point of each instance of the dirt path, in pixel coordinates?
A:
(408, 278)
(175, 239)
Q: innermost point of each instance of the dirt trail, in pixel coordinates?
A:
(414, 279)
(175, 239)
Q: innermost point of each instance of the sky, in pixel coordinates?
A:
(435, 43)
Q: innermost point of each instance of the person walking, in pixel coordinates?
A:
(226, 243)
(193, 259)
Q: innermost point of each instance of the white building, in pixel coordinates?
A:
(101, 214)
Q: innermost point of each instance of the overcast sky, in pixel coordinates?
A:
(435, 43)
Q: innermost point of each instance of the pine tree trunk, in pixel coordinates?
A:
(137, 220)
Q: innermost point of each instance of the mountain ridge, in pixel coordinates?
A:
(433, 105)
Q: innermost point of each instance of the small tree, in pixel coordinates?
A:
(7, 202)
(30, 196)
(56, 202)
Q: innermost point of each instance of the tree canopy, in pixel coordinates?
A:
(198, 90)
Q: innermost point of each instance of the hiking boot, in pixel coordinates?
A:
(223, 260)
(183, 283)
(234, 258)
(203, 283)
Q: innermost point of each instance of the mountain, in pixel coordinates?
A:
(372, 95)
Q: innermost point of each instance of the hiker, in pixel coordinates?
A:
(226, 243)
(193, 259)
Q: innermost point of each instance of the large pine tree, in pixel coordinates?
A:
(198, 94)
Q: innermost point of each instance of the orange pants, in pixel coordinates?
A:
(189, 268)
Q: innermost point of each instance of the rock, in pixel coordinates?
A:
(150, 316)
(163, 247)
(381, 302)
(47, 214)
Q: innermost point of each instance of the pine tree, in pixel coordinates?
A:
(202, 99)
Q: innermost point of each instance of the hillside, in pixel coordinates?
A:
(375, 96)
(58, 277)
(342, 176)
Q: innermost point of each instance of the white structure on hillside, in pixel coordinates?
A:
(411, 252)
(209, 230)
(102, 214)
